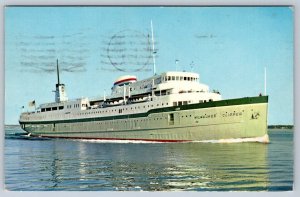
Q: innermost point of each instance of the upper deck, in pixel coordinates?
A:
(166, 89)
(165, 83)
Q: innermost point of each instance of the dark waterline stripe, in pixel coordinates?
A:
(120, 139)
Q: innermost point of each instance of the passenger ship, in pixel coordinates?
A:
(169, 107)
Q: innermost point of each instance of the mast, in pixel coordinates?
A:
(57, 69)
(265, 81)
(60, 92)
(153, 52)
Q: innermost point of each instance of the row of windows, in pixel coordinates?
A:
(121, 110)
(76, 106)
(131, 121)
(179, 103)
(97, 112)
(204, 101)
(52, 108)
(180, 78)
(60, 107)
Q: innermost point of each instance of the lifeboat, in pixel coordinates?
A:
(114, 103)
(139, 100)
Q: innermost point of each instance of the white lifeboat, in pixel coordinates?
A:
(124, 80)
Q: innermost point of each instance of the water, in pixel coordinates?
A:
(59, 164)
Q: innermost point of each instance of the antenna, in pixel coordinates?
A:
(57, 72)
(176, 63)
(265, 81)
(192, 66)
(153, 52)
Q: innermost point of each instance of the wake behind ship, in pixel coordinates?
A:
(169, 107)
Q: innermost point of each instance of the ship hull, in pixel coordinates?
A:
(243, 118)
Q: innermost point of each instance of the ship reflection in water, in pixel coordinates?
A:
(59, 164)
(187, 166)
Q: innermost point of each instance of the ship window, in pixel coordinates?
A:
(54, 108)
(43, 109)
(173, 78)
(188, 78)
(48, 109)
(185, 102)
(169, 78)
(177, 78)
(179, 103)
(174, 103)
(184, 78)
(181, 78)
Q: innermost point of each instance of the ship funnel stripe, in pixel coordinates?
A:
(125, 81)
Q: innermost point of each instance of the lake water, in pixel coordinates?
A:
(59, 164)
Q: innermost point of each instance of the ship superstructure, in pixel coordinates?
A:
(128, 96)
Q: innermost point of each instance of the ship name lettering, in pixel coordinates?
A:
(226, 114)
(206, 116)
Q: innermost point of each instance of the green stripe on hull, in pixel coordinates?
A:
(222, 103)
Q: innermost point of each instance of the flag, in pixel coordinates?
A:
(31, 103)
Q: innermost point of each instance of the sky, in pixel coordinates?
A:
(228, 46)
